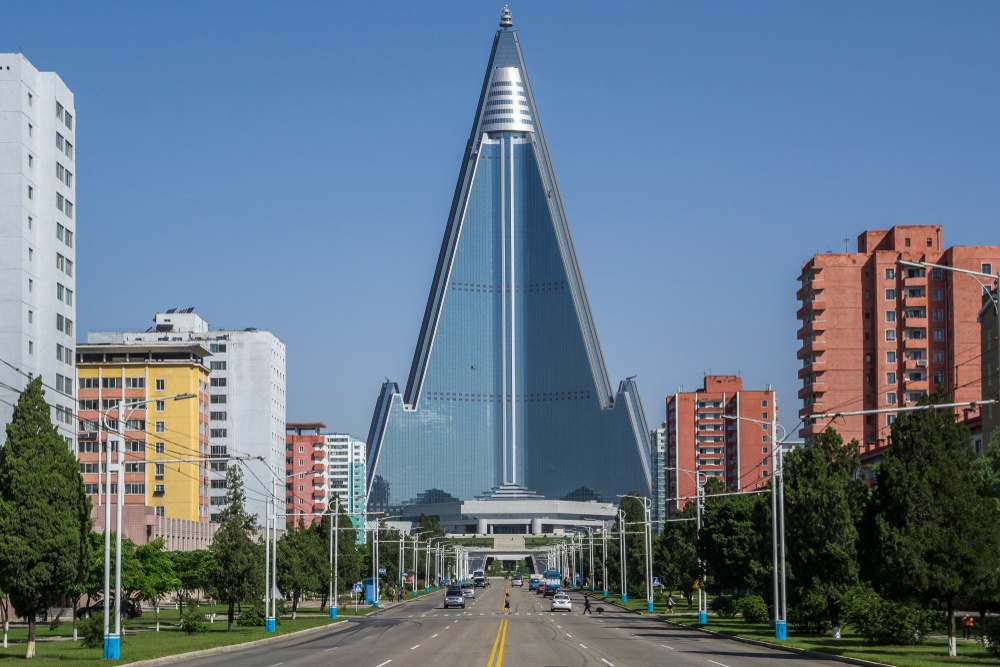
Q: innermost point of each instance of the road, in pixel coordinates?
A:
(420, 633)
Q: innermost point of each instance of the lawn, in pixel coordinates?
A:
(141, 642)
(933, 653)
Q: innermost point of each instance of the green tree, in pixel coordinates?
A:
(238, 568)
(734, 542)
(823, 504)
(303, 563)
(923, 505)
(985, 477)
(44, 512)
(676, 555)
(158, 576)
(194, 571)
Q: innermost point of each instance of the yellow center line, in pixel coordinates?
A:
(503, 642)
(496, 643)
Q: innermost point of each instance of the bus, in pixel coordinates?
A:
(552, 582)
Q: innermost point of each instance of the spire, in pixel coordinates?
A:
(505, 20)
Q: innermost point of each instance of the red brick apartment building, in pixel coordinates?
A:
(878, 335)
(700, 439)
(305, 470)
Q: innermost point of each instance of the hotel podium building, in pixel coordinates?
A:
(508, 395)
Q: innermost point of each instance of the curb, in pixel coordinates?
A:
(229, 647)
(789, 649)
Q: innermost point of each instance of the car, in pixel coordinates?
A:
(453, 598)
(561, 602)
(469, 590)
(516, 581)
(479, 581)
(129, 609)
(533, 582)
(540, 589)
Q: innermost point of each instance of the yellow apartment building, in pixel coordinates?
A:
(163, 434)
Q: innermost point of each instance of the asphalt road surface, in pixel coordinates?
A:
(420, 633)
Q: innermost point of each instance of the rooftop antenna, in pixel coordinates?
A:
(847, 244)
(505, 20)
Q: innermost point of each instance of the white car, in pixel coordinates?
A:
(561, 602)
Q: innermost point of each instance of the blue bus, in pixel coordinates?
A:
(552, 581)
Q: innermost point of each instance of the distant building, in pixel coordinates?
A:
(163, 437)
(989, 329)
(705, 439)
(246, 400)
(306, 483)
(346, 456)
(658, 443)
(37, 239)
(877, 335)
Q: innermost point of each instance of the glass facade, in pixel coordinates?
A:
(508, 385)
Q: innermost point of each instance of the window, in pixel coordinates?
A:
(60, 141)
(31, 130)
(69, 209)
(868, 295)
(160, 406)
(906, 242)
(135, 383)
(939, 335)
(160, 511)
(60, 171)
(217, 399)
(69, 179)
(135, 446)
(890, 398)
(158, 490)
(219, 432)
(69, 150)
(215, 348)
(890, 378)
(158, 470)
(890, 357)
(161, 385)
(763, 416)
(301, 449)
(936, 274)
(938, 377)
(937, 294)
(890, 316)
(159, 448)
(763, 403)
(69, 238)
(987, 268)
(31, 100)
(31, 316)
(890, 334)
(31, 350)
(938, 356)
(161, 427)
(218, 416)
(889, 419)
(59, 111)
(218, 382)
(31, 192)
(88, 383)
(217, 365)
(69, 268)
(937, 315)
(31, 161)
(135, 466)
(890, 295)
(890, 274)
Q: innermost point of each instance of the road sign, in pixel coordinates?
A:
(381, 570)
(357, 588)
(697, 583)
(657, 582)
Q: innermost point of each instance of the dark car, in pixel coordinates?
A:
(129, 609)
(541, 588)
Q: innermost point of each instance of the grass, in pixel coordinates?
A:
(141, 642)
(933, 653)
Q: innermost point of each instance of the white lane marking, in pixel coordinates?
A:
(413, 647)
(383, 664)
(277, 663)
(669, 647)
(329, 649)
(718, 663)
(434, 635)
(583, 646)
(607, 663)
(569, 635)
(445, 627)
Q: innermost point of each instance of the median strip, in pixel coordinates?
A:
(498, 646)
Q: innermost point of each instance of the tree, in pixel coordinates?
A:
(823, 504)
(303, 566)
(44, 512)
(734, 542)
(158, 576)
(923, 505)
(194, 571)
(348, 560)
(238, 570)
(985, 477)
(676, 557)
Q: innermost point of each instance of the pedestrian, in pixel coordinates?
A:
(670, 604)
(972, 625)
(586, 605)
(965, 627)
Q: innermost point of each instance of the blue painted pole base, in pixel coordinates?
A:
(780, 630)
(591, 588)
(414, 592)
(270, 625)
(374, 603)
(427, 589)
(436, 587)
(649, 605)
(624, 597)
(605, 592)
(702, 618)
(333, 612)
(112, 647)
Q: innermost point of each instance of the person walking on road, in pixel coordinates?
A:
(670, 604)
(586, 605)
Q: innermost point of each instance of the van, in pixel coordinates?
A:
(533, 581)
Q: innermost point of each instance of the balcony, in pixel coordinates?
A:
(914, 281)
(815, 347)
(810, 288)
(817, 305)
(915, 300)
(319, 467)
(915, 343)
(818, 388)
(815, 368)
(916, 385)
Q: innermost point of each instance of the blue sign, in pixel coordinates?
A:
(357, 588)
(657, 582)
(381, 570)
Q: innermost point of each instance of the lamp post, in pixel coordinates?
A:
(621, 549)
(647, 545)
(112, 641)
(334, 555)
(590, 534)
(416, 541)
(604, 557)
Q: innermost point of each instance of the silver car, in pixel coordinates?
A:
(454, 598)
(469, 590)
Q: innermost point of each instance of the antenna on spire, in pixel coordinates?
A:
(505, 20)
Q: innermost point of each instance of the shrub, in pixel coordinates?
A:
(92, 630)
(810, 615)
(192, 625)
(991, 634)
(753, 608)
(725, 606)
(55, 622)
(252, 617)
(883, 623)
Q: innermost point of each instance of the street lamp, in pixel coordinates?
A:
(112, 641)
(416, 541)
(604, 557)
(648, 544)
(621, 549)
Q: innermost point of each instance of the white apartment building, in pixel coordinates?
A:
(346, 456)
(246, 401)
(37, 238)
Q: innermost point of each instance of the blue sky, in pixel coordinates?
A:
(290, 165)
